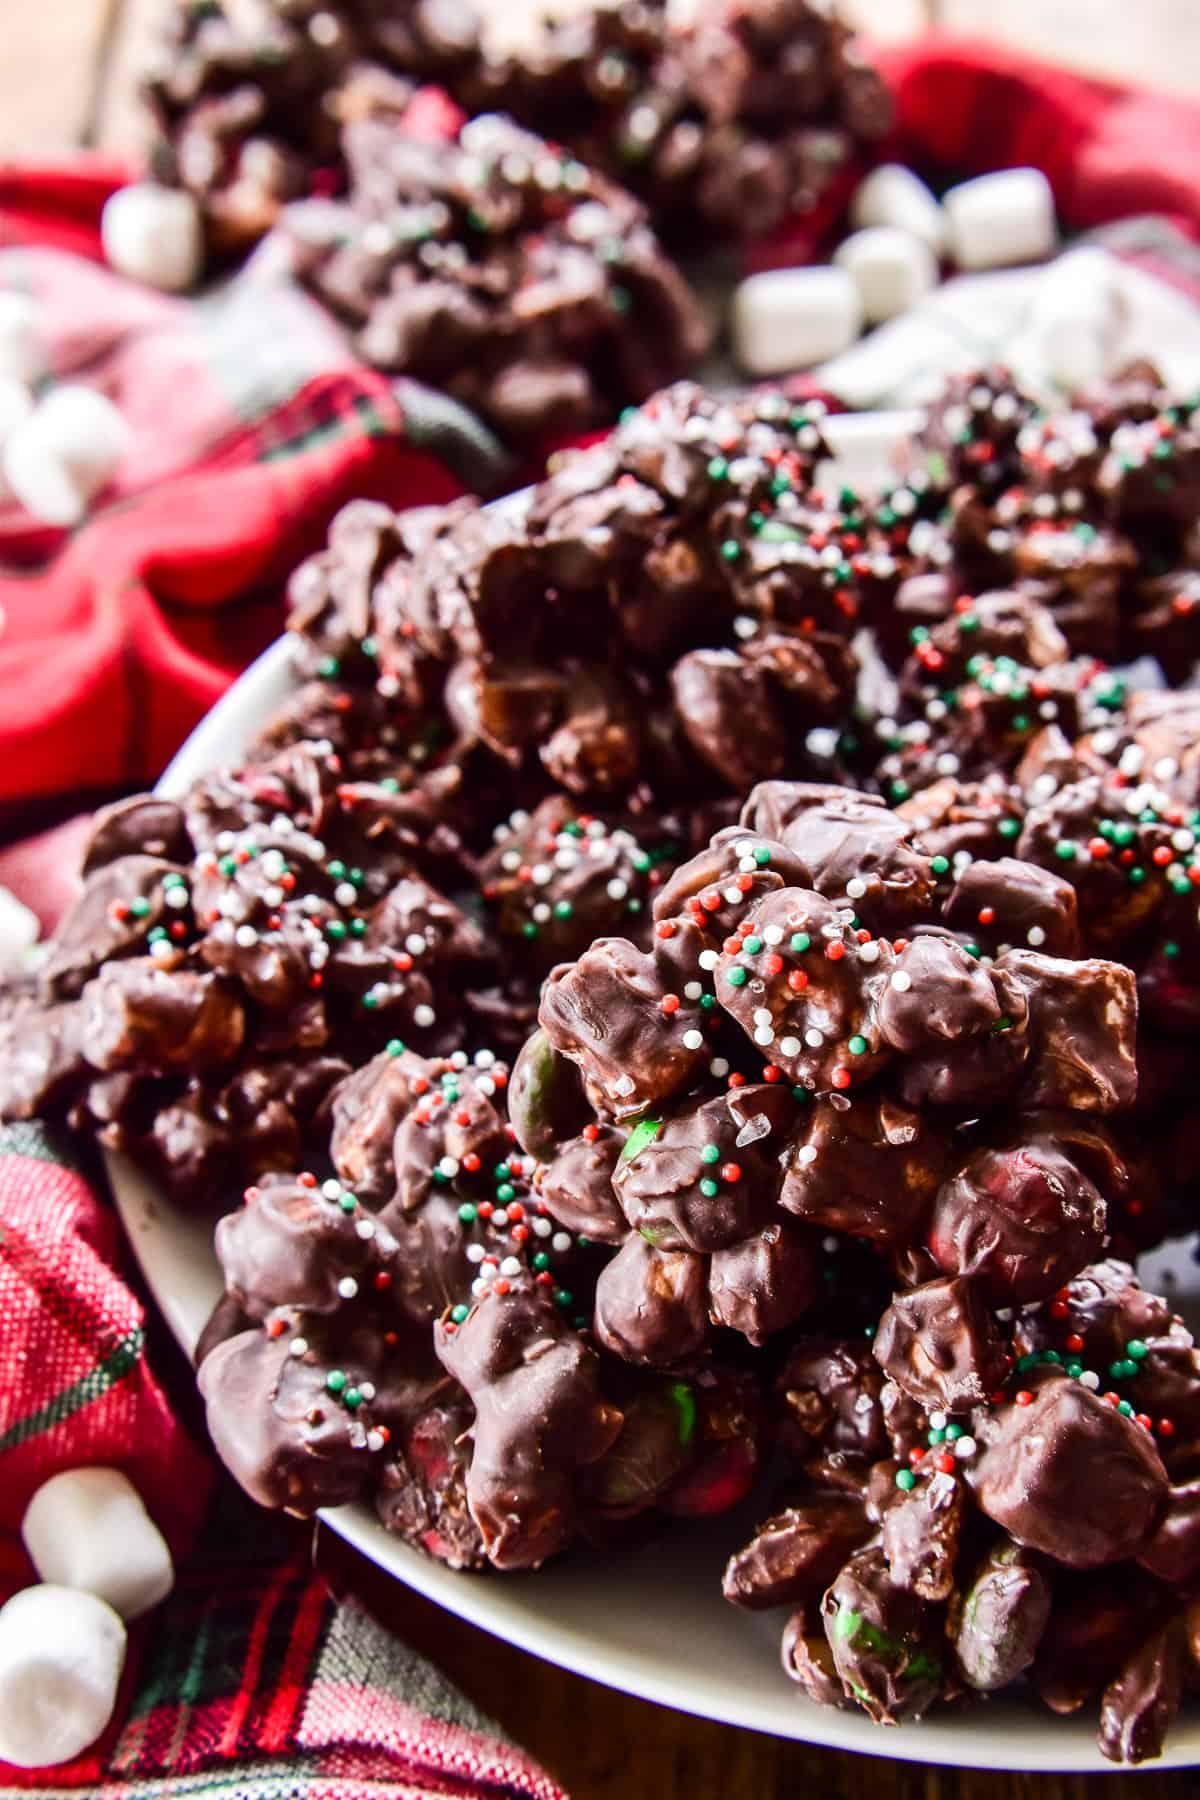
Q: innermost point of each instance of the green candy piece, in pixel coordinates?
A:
(644, 1132)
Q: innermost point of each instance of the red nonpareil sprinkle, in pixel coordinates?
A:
(591, 1133)
(178, 931)
(916, 1456)
(119, 911)
(500, 1077)
(899, 945)
(1162, 855)
(744, 883)
(287, 881)
(276, 1327)
(711, 900)
(1059, 1309)
(1165, 1428)
(736, 1080)
(462, 1116)
(383, 1280)
(1024, 1398)
(486, 1209)
(840, 1078)
(670, 1004)
(241, 856)
(1074, 1343)
(1114, 1399)
(835, 950)
(731, 1172)
(987, 915)
(998, 1398)
(771, 1073)
(515, 1209)
(449, 1327)
(731, 946)
(797, 981)
(665, 928)
(316, 979)
(1098, 848)
(745, 928)
(420, 1085)
(519, 1233)
(1145, 1421)
(863, 935)
(501, 1286)
(545, 1279)
(945, 1462)
(307, 1179)
(391, 1339)
(1127, 858)
(470, 1162)
(963, 603)
(250, 1196)
(402, 961)
(773, 964)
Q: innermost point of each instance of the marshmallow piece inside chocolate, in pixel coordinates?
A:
(792, 318)
(154, 234)
(61, 1656)
(19, 930)
(88, 1528)
(893, 195)
(1000, 219)
(65, 453)
(891, 269)
(21, 355)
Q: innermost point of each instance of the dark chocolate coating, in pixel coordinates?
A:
(877, 1167)
(539, 1417)
(921, 1531)
(651, 1305)
(1004, 1612)
(421, 1495)
(659, 1175)
(939, 1343)
(886, 1640)
(796, 1554)
(577, 1186)
(1139, 1704)
(765, 1282)
(1030, 1477)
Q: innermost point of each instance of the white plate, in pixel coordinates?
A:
(652, 1622)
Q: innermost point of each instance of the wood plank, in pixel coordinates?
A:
(48, 70)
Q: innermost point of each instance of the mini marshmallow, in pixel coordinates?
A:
(792, 318)
(61, 1656)
(1000, 219)
(21, 356)
(154, 234)
(19, 930)
(891, 269)
(65, 453)
(88, 1528)
(893, 195)
(866, 448)
(1076, 317)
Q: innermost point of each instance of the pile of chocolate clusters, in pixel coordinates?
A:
(722, 126)
(491, 224)
(699, 986)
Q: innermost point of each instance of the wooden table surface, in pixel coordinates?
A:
(64, 81)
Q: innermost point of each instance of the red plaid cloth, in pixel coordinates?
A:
(252, 428)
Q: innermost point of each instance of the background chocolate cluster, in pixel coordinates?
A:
(703, 967)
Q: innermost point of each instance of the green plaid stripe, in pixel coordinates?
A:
(29, 1137)
(111, 1369)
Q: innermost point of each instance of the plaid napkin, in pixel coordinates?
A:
(252, 426)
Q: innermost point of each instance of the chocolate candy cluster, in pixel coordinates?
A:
(248, 101)
(722, 125)
(703, 963)
(941, 1540)
(501, 270)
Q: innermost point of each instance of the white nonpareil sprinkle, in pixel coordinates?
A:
(1090, 1379)
(693, 1040)
(692, 990)
(965, 1448)
(375, 1439)
(762, 1016)
(345, 893)
(347, 1287)
(474, 1253)
(1035, 936)
(830, 1245)
(856, 888)
(789, 1046)
(938, 1421)
(510, 1266)
(561, 1241)
(773, 934)
(479, 1287)
(367, 1389)
(449, 1166)
(732, 895)
(365, 1229)
(747, 865)
(423, 1015)
(176, 897)
(485, 1059)
(814, 1038)
(541, 873)
(805, 1155)
(902, 981)
(868, 953)
(298, 1347)
(718, 1067)
(541, 913)
(459, 1059)
(332, 1190)
(764, 1035)
(541, 1227)
(708, 959)
(486, 1085)
(617, 888)
(414, 943)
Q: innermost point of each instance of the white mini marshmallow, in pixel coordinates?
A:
(61, 1656)
(867, 448)
(893, 195)
(21, 355)
(999, 219)
(65, 453)
(19, 930)
(88, 1528)
(154, 234)
(1076, 317)
(891, 269)
(792, 318)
